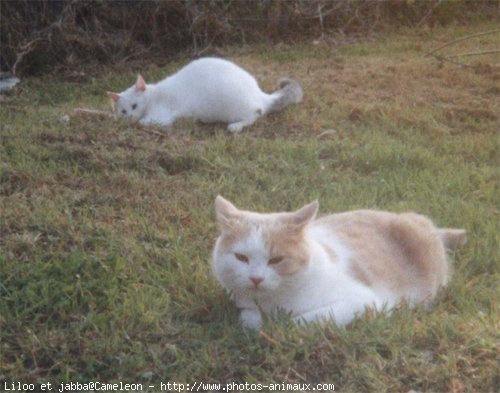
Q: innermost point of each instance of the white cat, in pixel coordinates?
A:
(328, 268)
(208, 89)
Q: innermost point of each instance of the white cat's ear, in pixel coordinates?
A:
(140, 84)
(114, 96)
(225, 210)
(305, 215)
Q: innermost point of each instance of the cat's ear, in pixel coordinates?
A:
(305, 215)
(140, 84)
(114, 96)
(452, 238)
(225, 211)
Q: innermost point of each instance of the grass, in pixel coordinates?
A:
(107, 228)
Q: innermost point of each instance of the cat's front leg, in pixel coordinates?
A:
(251, 319)
(147, 121)
(162, 119)
(342, 312)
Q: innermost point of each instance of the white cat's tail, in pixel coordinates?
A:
(289, 92)
(452, 238)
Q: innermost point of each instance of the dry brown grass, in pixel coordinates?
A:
(367, 87)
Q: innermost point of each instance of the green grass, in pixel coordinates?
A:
(107, 228)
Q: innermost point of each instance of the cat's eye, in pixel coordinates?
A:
(124, 111)
(134, 106)
(275, 260)
(241, 257)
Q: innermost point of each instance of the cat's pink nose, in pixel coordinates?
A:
(256, 280)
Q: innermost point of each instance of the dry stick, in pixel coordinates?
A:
(151, 131)
(431, 10)
(449, 58)
(25, 50)
(459, 40)
(268, 338)
(83, 111)
(486, 52)
(441, 58)
(39, 36)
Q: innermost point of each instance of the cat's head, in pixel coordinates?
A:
(259, 253)
(131, 102)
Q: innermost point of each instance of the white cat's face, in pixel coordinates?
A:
(131, 102)
(256, 254)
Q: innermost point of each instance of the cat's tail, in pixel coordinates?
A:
(289, 92)
(452, 238)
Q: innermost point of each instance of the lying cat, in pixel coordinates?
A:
(328, 268)
(208, 89)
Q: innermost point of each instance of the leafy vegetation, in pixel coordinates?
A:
(107, 227)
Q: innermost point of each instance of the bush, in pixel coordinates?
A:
(37, 35)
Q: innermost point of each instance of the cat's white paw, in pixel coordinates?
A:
(235, 127)
(251, 319)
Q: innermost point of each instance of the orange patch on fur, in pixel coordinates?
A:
(401, 252)
(290, 243)
(233, 233)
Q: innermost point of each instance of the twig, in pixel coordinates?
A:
(441, 58)
(429, 13)
(25, 50)
(460, 40)
(320, 16)
(154, 132)
(44, 34)
(268, 338)
(84, 111)
(355, 16)
(486, 52)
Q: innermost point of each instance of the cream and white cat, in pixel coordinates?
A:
(333, 267)
(208, 89)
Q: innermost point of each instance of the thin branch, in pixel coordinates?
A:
(441, 58)
(429, 13)
(267, 337)
(460, 40)
(25, 50)
(320, 15)
(91, 112)
(486, 52)
(151, 131)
